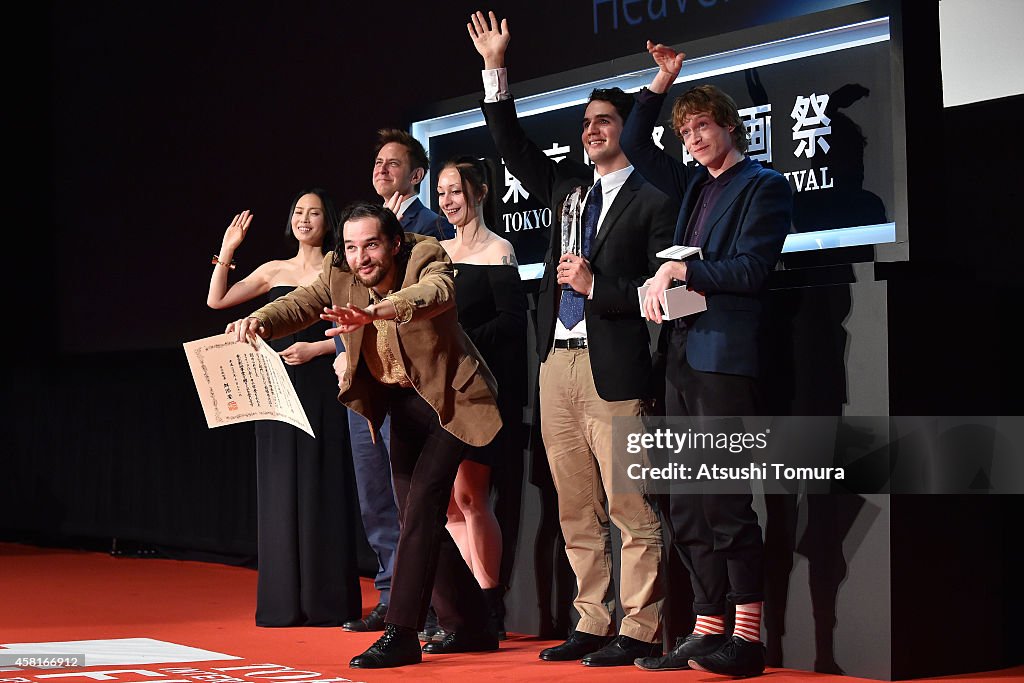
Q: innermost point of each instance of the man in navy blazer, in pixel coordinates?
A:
(399, 165)
(738, 213)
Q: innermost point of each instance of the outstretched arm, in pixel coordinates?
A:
(349, 318)
(523, 159)
(432, 293)
(298, 309)
(654, 164)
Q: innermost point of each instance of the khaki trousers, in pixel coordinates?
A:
(576, 425)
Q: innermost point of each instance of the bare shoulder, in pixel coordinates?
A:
(447, 245)
(269, 271)
(501, 252)
(292, 272)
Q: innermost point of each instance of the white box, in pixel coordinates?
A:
(677, 302)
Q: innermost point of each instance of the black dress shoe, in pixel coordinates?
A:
(397, 647)
(737, 657)
(686, 647)
(374, 621)
(578, 645)
(463, 641)
(622, 651)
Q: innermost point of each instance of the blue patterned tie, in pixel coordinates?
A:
(570, 308)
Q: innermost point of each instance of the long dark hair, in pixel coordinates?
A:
(330, 219)
(389, 226)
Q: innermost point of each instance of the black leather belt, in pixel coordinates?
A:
(571, 343)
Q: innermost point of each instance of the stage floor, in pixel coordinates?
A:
(170, 621)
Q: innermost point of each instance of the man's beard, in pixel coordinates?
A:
(379, 274)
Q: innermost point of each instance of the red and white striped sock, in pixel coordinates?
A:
(748, 622)
(709, 626)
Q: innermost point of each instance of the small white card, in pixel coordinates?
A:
(679, 252)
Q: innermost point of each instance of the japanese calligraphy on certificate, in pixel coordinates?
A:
(237, 383)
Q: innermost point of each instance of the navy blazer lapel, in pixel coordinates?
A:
(623, 199)
(725, 200)
(409, 216)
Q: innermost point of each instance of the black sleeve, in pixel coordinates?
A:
(660, 169)
(523, 158)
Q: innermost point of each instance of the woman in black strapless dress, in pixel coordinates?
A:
(307, 516)
(492, 310)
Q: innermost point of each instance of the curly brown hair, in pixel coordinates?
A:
(707, 99)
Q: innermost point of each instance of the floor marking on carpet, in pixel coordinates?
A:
(140, 654)
(112, 652)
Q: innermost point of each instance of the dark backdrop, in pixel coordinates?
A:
(153, 123)
(143, 127)
(168, 118)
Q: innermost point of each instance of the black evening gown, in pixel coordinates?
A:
(306, 503)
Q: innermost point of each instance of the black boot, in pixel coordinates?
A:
(496, 606)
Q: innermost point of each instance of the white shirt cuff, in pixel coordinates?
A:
(495, 84)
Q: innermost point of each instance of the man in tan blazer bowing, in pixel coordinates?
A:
(392, 297)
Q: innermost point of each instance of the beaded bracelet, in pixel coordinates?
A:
(217, 262)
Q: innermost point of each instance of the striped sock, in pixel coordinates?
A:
(709, 626)
(748, 622)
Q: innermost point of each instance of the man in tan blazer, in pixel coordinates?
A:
(392, 297)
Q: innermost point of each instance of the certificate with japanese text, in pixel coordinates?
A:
(237, 383)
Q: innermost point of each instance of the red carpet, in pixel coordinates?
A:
(51, 595)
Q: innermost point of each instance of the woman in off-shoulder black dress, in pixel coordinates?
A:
(492, 310)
